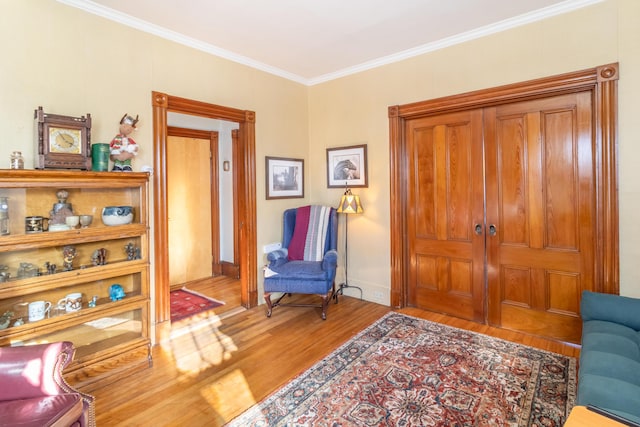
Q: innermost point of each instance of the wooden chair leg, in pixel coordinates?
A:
(267, 298)
(325, 303)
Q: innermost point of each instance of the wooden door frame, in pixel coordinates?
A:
(244, 171)
(601, 81)
(235, 157)
(212, 137)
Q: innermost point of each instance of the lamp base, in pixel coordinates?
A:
(346, 285)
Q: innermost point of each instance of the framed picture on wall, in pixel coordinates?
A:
(347, 166)
(285, 178)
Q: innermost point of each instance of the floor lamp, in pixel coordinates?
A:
(349, 204)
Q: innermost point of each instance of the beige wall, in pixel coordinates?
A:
(74, 63)
(353, 110)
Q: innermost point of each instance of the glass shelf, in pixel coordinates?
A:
(95, 335)
(18, 306)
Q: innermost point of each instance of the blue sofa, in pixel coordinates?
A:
(609, 369)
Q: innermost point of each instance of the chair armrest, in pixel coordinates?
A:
(34, 370)
(330, 260)
(278, 257)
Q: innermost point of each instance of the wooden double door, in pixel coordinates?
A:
(501, 213)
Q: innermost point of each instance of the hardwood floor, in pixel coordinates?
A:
(214, 367)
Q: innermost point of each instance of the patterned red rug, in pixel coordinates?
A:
(186, 303)
(411, 372)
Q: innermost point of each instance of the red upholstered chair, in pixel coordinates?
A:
(33, 392)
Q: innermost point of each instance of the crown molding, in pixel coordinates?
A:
(156, 30)
(517, 21)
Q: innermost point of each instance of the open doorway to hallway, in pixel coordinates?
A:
(201, 206)
(245, 192)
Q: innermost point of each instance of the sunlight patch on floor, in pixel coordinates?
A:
(230, 395)
(196, 344)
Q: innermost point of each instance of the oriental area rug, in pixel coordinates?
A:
(405, 371)
(185, 303)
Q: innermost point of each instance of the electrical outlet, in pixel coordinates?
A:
(377, 295)
(271, 247)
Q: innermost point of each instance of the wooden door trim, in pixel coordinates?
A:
(601, 81)
(236, 226)
(212, 137)
(244, 170)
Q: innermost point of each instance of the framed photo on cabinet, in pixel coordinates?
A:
(347, 166)
(284, 178)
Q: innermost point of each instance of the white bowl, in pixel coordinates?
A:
(117, 215)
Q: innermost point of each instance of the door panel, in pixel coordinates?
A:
(537, 181)
(550, 176)
(189, 166)
(445, 201)
(541, 197)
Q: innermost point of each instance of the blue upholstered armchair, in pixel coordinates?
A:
(307, 261)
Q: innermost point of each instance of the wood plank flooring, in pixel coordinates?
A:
(214, 367)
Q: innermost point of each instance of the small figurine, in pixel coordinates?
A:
(61, 210)
(132, 251)
(116, 293)
(123, 148)
(5, 319)
(93, 301)
(99, 257)
(4, 276)
(68, 254)
(50, 268)
(27, 269)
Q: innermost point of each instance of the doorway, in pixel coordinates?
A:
(504, 205)
(244, 177)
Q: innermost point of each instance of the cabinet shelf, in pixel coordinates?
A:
(53, 238)
(68, 279)
(112, 337)
(34, 331)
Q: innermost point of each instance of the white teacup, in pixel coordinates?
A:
(38, 310)
(72, 221)
(85, 220)
(72, 302)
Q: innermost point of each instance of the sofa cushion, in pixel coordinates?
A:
(611, 365)
(612, 394)
(611, 308)
(611, 338)
(609, 369)
(58, 410)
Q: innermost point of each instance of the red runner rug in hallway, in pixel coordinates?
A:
(186, 303)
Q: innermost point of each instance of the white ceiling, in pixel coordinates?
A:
(311, 41)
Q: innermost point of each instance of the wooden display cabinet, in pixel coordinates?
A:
(111, 335)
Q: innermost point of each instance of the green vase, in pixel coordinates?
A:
(100, 157)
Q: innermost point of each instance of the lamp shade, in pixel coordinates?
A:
(350, 204)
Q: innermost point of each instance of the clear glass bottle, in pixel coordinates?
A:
(17, 161)
(4, 216)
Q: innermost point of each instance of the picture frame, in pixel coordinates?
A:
(347, 166)
(284, 178)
